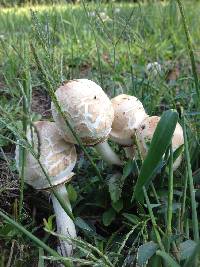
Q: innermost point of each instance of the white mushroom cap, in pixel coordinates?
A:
(57, 157)
(88, 110)
(129, 113)
(145, 133)
(153, 69)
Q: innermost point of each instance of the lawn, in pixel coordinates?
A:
(111, 44)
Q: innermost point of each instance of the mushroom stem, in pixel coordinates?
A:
(107, 154)
(65, 225)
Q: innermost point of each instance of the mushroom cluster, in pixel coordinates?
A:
(132, 126)
(95, 119)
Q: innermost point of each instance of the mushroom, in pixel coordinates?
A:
(58, 158)
(145, 133)
(153, 69)
(89, 112)
(129, 113)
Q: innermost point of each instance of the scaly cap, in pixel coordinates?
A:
(57, 157)
(88, 109)
(128, 114)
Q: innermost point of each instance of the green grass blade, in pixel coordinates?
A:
(191, 54)
(170, 194)
(25, 88)
(160, 141)
(87, 246)
(33, 238)
(183, 202)
(96, 43)
(155, 193)
(41, 259)
(153, 220)
(191, 186)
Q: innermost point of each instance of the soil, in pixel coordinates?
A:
(41, 103)
(9, 186)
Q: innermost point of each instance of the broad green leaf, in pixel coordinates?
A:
(83, 225)
(168, 239)
(187, 248)
(116, 181)
(132, 218)
(117, 206)
(49, 223)
(8, 231)
(168, 259)
(193, 257)
(36, 117)
(128, 168)
(160, 141)
(114, 185)
(72, 193)
(155, 261)
(145, 252)
(108, 216)
(3, 142)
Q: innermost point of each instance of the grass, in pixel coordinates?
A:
(42, 46)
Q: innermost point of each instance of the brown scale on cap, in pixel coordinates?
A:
(57, 157)
(145, 133)
(88, 109)
(129, 113)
